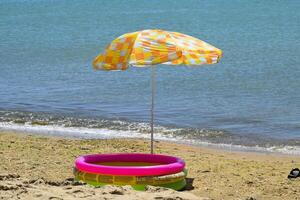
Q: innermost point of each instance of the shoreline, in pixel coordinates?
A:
(212, 173)
(209, 146)
(103, 133)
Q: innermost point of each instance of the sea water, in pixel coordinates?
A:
(250, 100)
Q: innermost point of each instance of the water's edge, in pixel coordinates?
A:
(88, 128)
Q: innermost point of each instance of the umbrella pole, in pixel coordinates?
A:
(152, 104)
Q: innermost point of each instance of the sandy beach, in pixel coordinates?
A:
(40, 167)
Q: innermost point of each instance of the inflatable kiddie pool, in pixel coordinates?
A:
(137, 170)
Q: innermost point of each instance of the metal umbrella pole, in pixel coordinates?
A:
(152, 104)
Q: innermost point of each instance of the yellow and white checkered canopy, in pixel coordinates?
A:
(151, 47)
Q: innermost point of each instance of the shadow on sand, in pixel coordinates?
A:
(189, 184)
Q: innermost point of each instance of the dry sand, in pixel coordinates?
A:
(38, 167)
(13, 187)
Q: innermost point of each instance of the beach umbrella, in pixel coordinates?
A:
(151, 47)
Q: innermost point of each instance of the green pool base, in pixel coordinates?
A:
(179, 185)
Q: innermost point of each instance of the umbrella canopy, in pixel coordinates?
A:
(151, 47)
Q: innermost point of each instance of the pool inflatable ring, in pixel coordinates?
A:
(179, 185)
(129, 180)
(137, 164)
(173, 181)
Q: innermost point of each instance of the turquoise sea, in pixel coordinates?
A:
(249, 101)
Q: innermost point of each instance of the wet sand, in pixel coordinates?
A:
(41, 167)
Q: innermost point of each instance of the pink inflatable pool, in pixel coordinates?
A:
(132, 164)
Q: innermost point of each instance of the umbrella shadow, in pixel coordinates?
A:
(189, 184)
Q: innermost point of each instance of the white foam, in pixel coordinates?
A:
(80, 132)
(95, 133)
